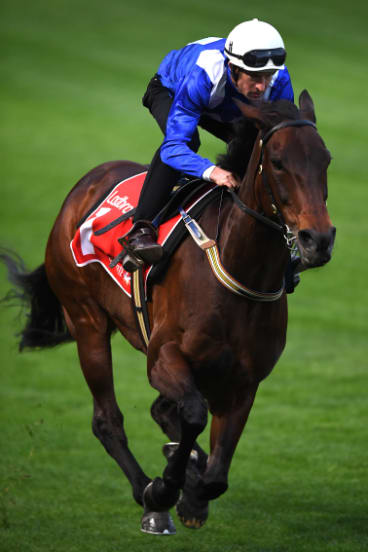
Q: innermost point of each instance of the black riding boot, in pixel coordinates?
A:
(141, 246)
(140, 242)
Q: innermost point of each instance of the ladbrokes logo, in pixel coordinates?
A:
(120, 202)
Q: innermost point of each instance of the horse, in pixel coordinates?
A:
(209, 353)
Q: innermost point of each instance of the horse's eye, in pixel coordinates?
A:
(277, 164)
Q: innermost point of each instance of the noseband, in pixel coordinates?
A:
(282, 226)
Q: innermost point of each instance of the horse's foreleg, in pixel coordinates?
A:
(165, 412)
(107, 423)
(225, 433)
(171, 375)
(192, 508)
(191, 511)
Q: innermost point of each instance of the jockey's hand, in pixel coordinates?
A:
(224, 178)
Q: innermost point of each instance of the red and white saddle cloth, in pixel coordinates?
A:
(88, 248)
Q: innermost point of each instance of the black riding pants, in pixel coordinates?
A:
(161, 178)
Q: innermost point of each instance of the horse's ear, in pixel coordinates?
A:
(306, 106)
(251, 112)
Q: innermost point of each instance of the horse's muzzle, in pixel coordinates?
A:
(315, 247)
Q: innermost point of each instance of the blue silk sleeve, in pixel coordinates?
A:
(191, 99)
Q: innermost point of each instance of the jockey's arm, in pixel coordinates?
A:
(190, 101)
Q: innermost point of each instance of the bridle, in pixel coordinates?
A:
(210, 246)
(281, 226)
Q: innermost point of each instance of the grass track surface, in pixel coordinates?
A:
(72, 77)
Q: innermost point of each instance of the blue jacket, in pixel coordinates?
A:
(199, 79)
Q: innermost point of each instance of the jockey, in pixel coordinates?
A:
(196, 86)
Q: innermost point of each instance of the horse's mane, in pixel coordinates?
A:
(239, 149)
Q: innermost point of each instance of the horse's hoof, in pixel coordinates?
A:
(192, 515)
(158, 523)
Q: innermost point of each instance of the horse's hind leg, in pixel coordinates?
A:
(93, 340)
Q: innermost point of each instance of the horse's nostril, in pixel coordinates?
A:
(305, 237)
(317, 242)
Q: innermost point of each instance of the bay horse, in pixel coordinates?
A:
(209, 348)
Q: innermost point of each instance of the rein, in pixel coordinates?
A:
(253, 213)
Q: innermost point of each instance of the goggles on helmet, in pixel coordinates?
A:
(260, 58)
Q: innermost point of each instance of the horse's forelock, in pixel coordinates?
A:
(274, 113)
(239, 150)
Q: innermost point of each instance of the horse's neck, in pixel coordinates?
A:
(251, 251)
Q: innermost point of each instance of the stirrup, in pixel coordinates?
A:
(131, 263)
(130, 260)
(134, 254)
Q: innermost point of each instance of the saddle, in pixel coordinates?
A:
(99, 231)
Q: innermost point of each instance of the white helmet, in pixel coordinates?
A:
(255, 46)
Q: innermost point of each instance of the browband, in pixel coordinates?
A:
(284, 124)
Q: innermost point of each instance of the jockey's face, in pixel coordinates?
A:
(253, 84)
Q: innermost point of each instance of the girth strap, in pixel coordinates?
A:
(140, 305)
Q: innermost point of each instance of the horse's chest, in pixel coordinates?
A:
(239, 354)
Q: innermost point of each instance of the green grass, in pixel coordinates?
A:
(72, 77)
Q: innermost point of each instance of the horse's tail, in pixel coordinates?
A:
(45, 326)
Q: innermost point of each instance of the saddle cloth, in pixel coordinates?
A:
(87, 247)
